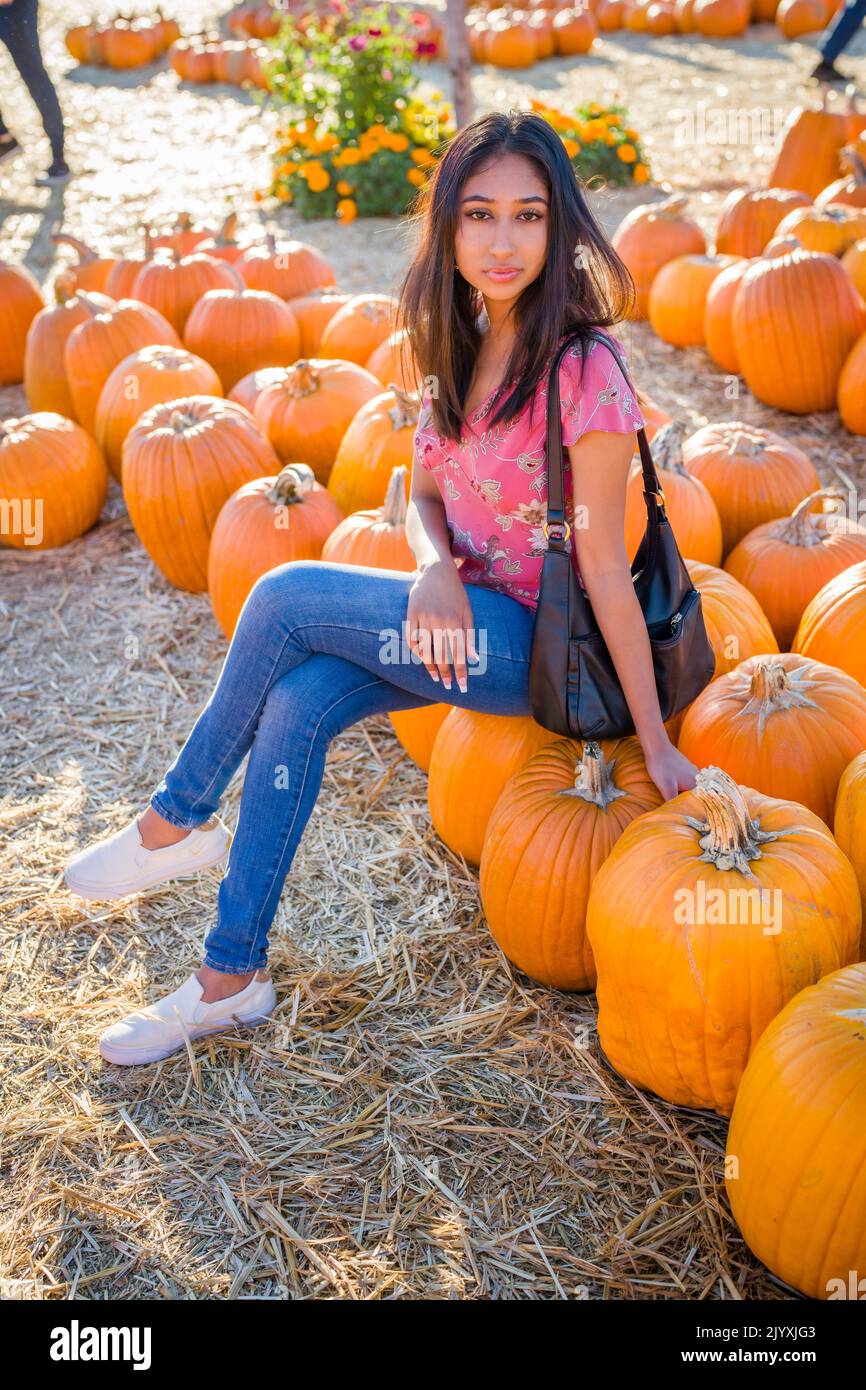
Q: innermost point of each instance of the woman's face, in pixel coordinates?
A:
(502, 225)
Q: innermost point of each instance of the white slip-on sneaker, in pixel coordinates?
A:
(120, 865)
(149, 1034)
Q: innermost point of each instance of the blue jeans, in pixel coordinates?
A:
(840, 33)
(307, 659)
(19, 31)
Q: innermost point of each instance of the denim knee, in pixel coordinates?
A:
(269, 598)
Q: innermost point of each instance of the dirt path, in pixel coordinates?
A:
(419, 1121)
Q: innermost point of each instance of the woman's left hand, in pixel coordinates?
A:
(671, 771)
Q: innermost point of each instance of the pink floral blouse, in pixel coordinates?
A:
(494, 481)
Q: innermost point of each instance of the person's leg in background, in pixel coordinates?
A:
(20, 33)
(837, 37)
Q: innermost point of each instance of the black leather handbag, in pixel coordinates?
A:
(574, 689)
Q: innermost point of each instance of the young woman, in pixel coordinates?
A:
(509, 258)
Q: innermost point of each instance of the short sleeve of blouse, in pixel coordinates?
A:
(599, 399)
(424, 448)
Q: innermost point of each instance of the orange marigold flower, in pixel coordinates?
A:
(347, 210)
(318, 179)
(344, 188)
(572, 147)
(627, 153)
(640, 173)
(416, 176)
(631, 134)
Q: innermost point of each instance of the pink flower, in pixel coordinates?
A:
(375, 33)
(358, 42)
(387, 74)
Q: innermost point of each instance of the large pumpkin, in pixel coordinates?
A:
(719, 886)
(375, 537)
(473, 757)
(267, 522)
(831, 229)
(306, 415)
(790, 356)
(574, 30)
(849, 826)
(795, 1167)
(238, 331)
(247, 391)
(785, 562)
(358, 327)
(174, 284)
(392, 361)
(95, 347)
(736, 624)
(44, 357)
(20, 302)
(785, 723)
(750, 216)
(832, 626)
(146, 378)
(677, 300)
(851, 390)
(379, 437)
(554, 824)
(721, 19)
(651, 235)
(692, 513)
(53, 481)
(181, 463)
(754, 475)
(290, 271)
(807, 156)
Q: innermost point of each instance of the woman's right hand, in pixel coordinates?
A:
(439, 607)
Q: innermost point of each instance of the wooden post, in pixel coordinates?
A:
(459, 61)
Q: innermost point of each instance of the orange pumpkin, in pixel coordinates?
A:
(832, 228)
(376, 537)
(785, 562)
(358, 327)
(690, 509)
(91, 272)
(785, 724)
(378, 438)
(850, 190)
(736, 624)
(95, 347)
(510, 45)
(721, 19)
(265, 523)
(174, 284)
(124, 272)
(754, 475)
(223, 245)
(831, 628)
(574, 31)
(290, 271)
(20, 302)
(181, 462)
(650, 236)
(151, 376)
(660, 19)
(44, 365)
(247, 391)
(797, 17)
(795, 1168)
(555, 822)
(238, 331)
(392, 361)
(790, 357)
(718, 316)
(750, 216)
(416, 730)
(851, 391)
(849, 827)
(53, 480)
(611, 14)
(314, 312)
(678, 297)
(688, 905)
(854, 262)
(306, 415)
(808, 151)
(473, 757)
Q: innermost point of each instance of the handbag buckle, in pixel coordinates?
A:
(562, 527)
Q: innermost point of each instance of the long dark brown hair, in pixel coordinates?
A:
(582, 284)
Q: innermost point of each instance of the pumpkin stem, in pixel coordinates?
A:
(395, 506)
(853, 159)
(740, 439)
(729, 837)
(64, 287)
(302, 379)
(404, 414)
(667, 448)
(772, 687)
(593, 777)
(84, 252)
(292, 484)
(802, 526)
(226, 233)
(271, 243)
(674, 206)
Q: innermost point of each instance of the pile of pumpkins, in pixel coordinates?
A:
(126, 41)
(255, 414)
(779, 252)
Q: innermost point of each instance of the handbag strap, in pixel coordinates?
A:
(556, 529)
